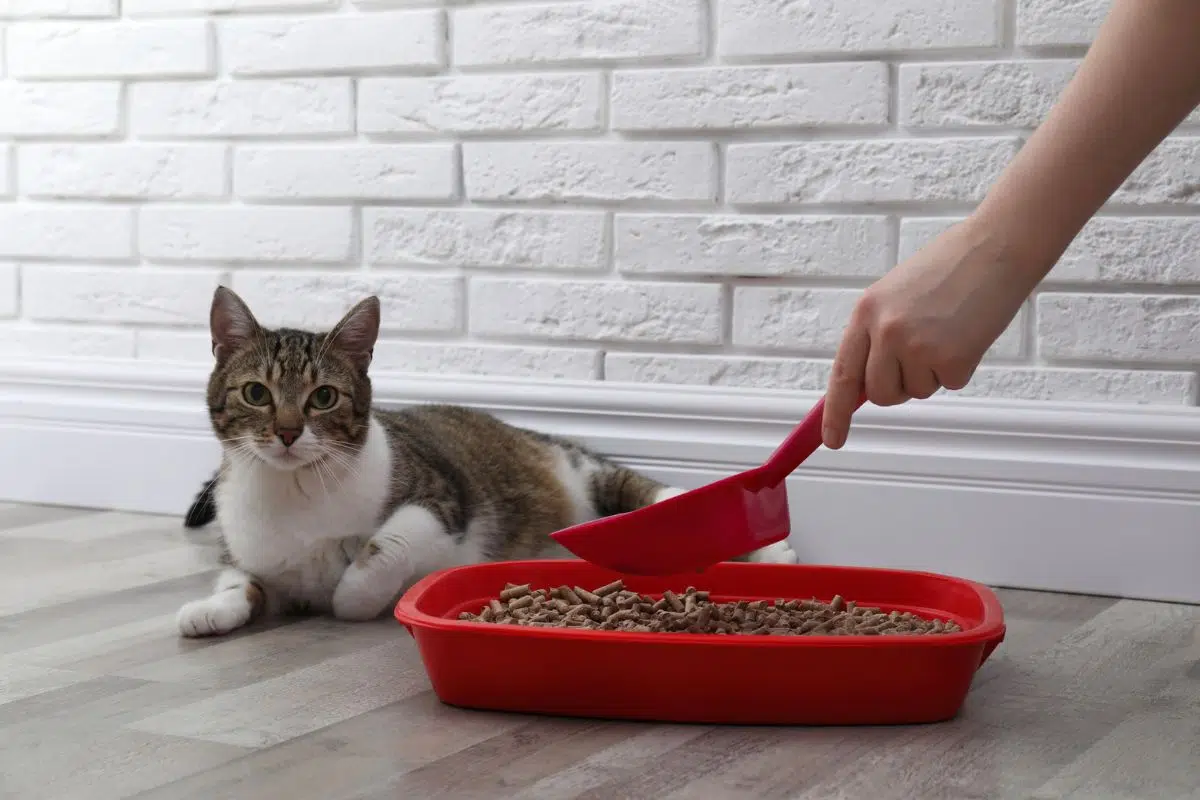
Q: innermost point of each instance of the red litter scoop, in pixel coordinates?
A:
(705, 526)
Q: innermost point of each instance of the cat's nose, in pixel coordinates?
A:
(289, 435)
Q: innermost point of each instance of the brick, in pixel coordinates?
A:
(117, 294)
(580, 31)
(793, 319)
(589, 171)
(311, 106)
(981, 94)
(24, 340)
(1130, 250)
(374, 5)
(509, 361)
(750, 97)
(1042, 23)
(1131, 327)
(1082, 385)
(753, 245)
(148, 8)
(38, 9)
(1164, 250)
(6, 178)
(333, 43)
(368, 172)
(566, 240)
(378, 4)
(63, 230)
(1169, 175)
(481, 104)
(596, 310)
(815, 319)
(317, 300)
(785, 27)
(246, 234)
(170, 49)
(740, 371)
(59, 109)
(866, 171)
(9, 290)
(168, 345)
(124, 171)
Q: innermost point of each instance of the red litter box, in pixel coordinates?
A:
(706, 678)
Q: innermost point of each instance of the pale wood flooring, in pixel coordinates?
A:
(99, 698)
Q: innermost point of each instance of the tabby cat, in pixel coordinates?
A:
(329, 505)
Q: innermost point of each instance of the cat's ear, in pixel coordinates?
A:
(355, 334)
(230, 322)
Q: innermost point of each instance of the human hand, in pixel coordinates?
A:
(925, 324)
(928, 322)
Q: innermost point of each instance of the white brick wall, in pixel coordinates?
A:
(525, 34)
(315, 44)
(124, 171)
(481, 103)
(668, 191)
(109, 49)
(368, 172)
(590, 171)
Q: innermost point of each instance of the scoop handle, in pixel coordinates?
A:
(799, 445)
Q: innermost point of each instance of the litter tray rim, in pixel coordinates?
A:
(991, 628)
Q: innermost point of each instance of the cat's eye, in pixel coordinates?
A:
(323, 397)
(256, 394)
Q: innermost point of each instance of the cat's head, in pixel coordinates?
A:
(290, 397)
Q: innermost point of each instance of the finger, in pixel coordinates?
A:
(845, 385)
(955, 378)
(884, 384)
(918, 381)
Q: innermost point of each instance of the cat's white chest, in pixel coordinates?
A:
(297, 532)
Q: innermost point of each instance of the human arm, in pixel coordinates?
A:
(929, 321)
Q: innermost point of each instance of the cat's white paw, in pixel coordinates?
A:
(778, 553)
(357, 598)
(215, 615)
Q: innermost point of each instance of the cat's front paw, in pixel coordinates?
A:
(778, 553)
(213, 616)
(356, 599)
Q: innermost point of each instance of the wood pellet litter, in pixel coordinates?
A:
(614, 608)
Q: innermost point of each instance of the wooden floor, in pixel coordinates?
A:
(99, 698)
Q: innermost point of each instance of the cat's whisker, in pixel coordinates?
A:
(319, 472)
(340, 461)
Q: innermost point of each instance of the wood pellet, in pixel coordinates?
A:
(612, 607)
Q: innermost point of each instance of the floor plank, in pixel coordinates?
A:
(100, 698)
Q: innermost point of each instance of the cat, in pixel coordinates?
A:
(330, 505)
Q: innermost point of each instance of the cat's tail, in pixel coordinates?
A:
(616, 489)
(203, 509)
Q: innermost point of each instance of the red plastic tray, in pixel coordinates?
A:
(706, 678)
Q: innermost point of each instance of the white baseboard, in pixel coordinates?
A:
(1092, 499)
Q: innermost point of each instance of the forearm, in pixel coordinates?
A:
(1139, 80)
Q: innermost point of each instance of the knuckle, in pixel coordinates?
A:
(955, 380)
(887, 399)
(884, 395)
(867, 305)
(893, 329)
(843, 378)
(922, 392)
